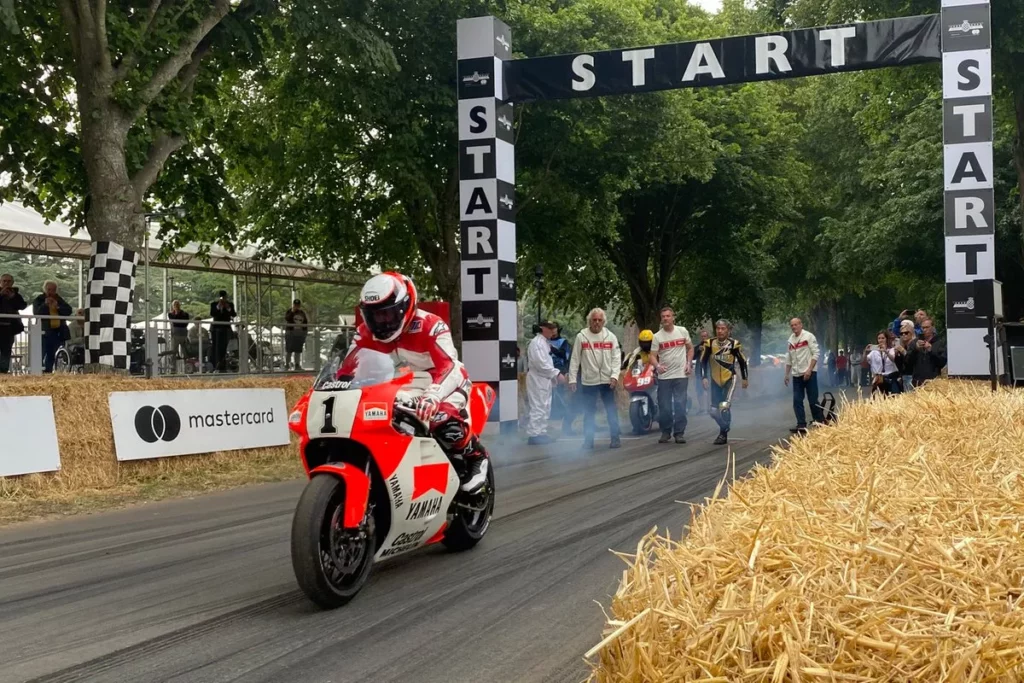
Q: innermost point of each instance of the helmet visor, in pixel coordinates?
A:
(386, 319)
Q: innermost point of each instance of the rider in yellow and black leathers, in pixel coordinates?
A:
(719, 357)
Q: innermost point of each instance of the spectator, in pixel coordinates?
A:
(801, 361)
(830, 367)
(77, 328)
(856, 358)
(55, 331)
(672, 355)
(702, 393)
(198, 333)
(906, 339)
(540, 378)
(561, 350)
(885, 375)
(179, 330)
(222, 311)
(842, 369)
(916, 319)
(926, 357)
(595, 361)
(11, 303)
(295, 331)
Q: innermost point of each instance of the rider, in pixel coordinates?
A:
(719, 357)
(643, 349)
(392, 324)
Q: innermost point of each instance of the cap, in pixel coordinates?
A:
(296, 303)
(548, 325)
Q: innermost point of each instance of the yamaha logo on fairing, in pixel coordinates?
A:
(963, 306)
(396, 491)
(157, 424)
(424, 508)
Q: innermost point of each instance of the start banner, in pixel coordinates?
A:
(157, 424)
(29, 435)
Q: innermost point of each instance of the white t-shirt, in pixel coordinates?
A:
(671, 350)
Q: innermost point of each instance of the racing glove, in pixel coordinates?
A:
(426, 407)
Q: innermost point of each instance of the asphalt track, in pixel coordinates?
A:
(201, 590)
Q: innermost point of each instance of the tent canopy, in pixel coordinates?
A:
(24, 230)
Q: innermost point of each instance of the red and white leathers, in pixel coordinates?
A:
(426, 346)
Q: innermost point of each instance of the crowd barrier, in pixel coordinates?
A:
(156, 349)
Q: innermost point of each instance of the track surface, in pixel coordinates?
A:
(201, 590)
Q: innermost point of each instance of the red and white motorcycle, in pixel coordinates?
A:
(379, 485)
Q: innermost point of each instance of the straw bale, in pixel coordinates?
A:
(887, 547)
(88, 464)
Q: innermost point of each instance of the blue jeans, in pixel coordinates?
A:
(588, 404)
(52, 341)
(809, 387)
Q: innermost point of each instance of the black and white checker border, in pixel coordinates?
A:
(111, 295)
(969, 203)
(487, 208)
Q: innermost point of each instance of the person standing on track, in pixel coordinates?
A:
(702, 395)
(800, 366)
(540, 378)
(672, 355)
(595, 360)
(718, 360)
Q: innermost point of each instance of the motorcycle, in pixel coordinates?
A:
(638, 382)
(379, 485)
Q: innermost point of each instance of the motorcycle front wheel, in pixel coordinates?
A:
(331, 563)
(471, 517)
(641, 423)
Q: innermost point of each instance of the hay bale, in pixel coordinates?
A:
(88, 465)
(887, 547)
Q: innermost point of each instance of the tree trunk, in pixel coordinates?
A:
(1018, 156)
(833, 327)
(756, 325)
(116, 224)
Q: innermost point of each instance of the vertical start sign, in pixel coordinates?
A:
(968, 174)
(487, 206)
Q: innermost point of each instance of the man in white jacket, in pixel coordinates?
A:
(596, 356)
(801, 363)
(541, 376)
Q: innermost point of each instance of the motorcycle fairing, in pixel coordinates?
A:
(357, 491)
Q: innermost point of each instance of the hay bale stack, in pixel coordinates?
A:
(88, 465)
(889, 547)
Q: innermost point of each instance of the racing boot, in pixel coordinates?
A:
(477, 466)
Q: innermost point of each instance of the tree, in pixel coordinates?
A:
(99, 94)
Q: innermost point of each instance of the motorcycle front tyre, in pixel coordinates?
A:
(313, 517)
(641, 423)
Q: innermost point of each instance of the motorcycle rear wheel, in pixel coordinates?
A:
(468, 526)
(331, 563)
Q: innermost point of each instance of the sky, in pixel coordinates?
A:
(710, 5)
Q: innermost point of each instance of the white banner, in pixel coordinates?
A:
(29, 436)
(157, 424)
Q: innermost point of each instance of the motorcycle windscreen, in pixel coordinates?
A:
(355, 369)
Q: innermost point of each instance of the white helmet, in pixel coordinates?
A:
(388, 305)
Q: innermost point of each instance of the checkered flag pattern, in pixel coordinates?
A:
(487, 199)
(968, 169)
(111, 302)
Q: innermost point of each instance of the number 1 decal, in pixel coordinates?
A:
(329, 427)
